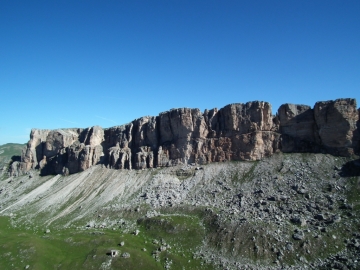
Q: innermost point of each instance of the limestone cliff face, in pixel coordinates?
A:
(180, 136)
(337, 124)
(33, 153)
(298, 129)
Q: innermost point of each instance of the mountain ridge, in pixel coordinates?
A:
(238, 131)
(157, 192)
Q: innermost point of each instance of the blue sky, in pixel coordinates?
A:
(84, 63)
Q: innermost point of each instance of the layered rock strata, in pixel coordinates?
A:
(180, 136)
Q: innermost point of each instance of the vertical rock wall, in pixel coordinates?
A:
(298, 128)
(337, 124)
(180, 136)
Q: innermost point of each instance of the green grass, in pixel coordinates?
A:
(7, 152)
(353, 191)
(21, 247)
(183, 233)
(11, 149)
(88, 248)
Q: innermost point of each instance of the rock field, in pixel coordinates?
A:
(286, 211)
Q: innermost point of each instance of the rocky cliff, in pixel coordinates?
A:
(180, 136)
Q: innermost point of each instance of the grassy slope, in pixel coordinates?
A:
(9, 150)
(73, 248)
(87, 249)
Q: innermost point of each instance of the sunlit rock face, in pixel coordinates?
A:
(181, 136)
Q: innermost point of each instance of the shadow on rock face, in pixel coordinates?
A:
(16, 158)
(351, 168)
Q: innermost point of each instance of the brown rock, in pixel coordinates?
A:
(15, 169)
(184, 136)
(120, 158)
(33, 153)
(144, 158)
(298, 128)
(145, 132)
(336, 122)
(246, 118)
(42, 163)
(58, 139)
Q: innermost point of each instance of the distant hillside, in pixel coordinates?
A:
(9, 150)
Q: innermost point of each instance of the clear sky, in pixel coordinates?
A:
(84, 63)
